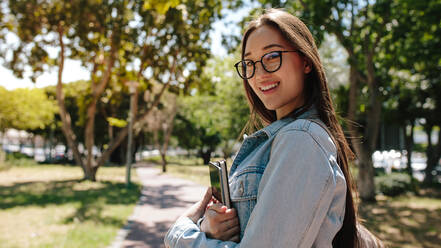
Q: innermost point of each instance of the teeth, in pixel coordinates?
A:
(269, 86)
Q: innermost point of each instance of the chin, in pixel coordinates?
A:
(271, 107)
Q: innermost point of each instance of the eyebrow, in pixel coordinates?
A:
(265, 48)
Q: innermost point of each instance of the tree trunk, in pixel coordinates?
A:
(167, 134)
(162, 151)
(206, 156)
(137, 123)
(408, 143)
(164, 160)
(227, 149)
(123, 133)
(365, 180)
(354, 135)
(89, 133)
(433, 153)
(89, 137)
(64, 115)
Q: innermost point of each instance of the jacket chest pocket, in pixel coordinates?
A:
(243, 190)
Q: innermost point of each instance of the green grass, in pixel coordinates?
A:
(405, 221)
(49, 206)
(189, 168)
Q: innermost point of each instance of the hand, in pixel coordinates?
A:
(196, 211)
(221, 223)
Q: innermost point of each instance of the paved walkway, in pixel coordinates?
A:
(163, 199)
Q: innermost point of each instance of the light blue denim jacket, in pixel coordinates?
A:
(286, 186)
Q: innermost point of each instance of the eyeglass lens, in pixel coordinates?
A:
(270, 62)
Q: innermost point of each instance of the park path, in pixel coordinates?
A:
(163, 199)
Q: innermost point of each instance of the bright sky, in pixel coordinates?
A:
(73, 70)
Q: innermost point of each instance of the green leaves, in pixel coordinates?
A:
(115, 122)
(25, 109)
(160, 6)
(215, 114)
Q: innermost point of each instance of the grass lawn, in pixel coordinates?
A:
(191, 168)
(405, 221)
(49, 206)
(400, 222)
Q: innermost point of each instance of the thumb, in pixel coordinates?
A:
(207, 197)
(218, 208)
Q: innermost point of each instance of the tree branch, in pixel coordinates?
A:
(64, 115)
(138, 122)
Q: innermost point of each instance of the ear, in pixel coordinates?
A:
(307, 66)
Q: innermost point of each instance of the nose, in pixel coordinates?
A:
(259, 69)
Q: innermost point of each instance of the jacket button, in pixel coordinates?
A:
(241, 188)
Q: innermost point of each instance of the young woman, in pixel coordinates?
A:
(289, 183)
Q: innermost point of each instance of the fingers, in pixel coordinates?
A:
(199, 208)
(219, 213)
(215, 200)
(231, 212)
(221, 232)
(222, 221)
(235, 238)
(207, 197)
(231, 222)
(230, 232)
(219, 208)
(222, 209)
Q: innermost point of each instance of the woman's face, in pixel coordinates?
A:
(281, 90)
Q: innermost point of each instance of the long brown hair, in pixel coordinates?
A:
(317, 94)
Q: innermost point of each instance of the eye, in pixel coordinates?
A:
(269, 57)
(248, 63)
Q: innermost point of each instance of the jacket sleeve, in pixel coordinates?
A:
(295, 193)
(185, 233)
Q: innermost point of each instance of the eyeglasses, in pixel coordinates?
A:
(271, 62)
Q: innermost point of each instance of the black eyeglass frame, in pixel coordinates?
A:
(263, 65)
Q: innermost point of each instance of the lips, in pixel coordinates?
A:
(269, 86)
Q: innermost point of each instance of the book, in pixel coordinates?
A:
(219, 182)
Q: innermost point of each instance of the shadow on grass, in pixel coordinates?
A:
(91, 197)
(402, 226)
(59, 192)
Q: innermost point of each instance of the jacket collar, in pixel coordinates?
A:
(274, 127)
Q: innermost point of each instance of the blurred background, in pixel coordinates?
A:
(89, 87)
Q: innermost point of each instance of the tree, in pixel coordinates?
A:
(401, 109)
(25, 109)
(164, 42)
(414, 50)
(365, 29)
(195, 125)
(161, 123)
(230, 108)
(361, 28)
(216, 113)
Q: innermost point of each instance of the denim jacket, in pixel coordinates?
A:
(286, 186)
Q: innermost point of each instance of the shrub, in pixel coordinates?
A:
(394, 184)
(3, 165)
(18, 159)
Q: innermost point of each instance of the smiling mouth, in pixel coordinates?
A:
(269, 87)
